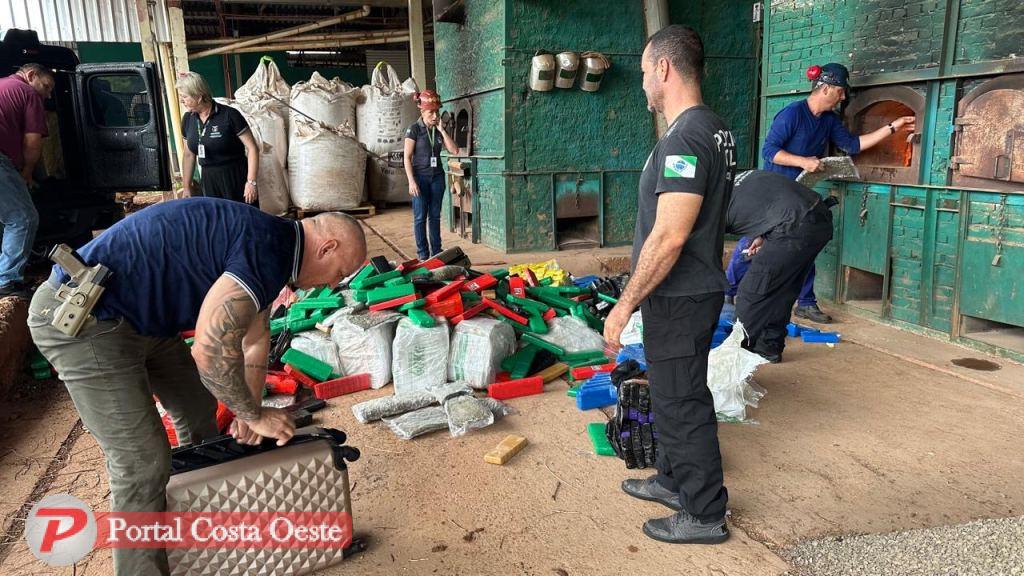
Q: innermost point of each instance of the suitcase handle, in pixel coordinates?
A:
(221, 449)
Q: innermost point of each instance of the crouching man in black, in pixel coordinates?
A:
(790, 225)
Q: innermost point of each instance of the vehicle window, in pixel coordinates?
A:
(119, 100)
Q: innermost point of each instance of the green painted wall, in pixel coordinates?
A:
(99, 52)
(468, 64)
(933, 245)
(568, 131)
(522, 138)
(730, 61)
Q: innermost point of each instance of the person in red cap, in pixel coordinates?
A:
(797, 138)
(423, 141)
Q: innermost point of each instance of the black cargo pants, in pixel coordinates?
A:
(767, 293)
(677, 340)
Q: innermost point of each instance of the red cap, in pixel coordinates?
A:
(428, 100)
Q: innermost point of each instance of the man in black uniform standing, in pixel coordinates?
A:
(679, 284)
(790, 225)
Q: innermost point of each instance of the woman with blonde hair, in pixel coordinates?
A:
(218, 137)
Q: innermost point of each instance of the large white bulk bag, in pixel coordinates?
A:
(385, 111)
(332, 102)
(266, 78)
(327, 167)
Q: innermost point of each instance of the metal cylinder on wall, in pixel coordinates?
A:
(542, 72)
(568, 63)
(595, 65)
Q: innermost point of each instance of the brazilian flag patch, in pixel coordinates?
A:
(680, 166)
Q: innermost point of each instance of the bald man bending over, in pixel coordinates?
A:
(207, 263)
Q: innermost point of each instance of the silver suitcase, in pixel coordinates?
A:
(309, 474)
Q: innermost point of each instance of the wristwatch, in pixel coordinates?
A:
(251, 183)
(892, 129)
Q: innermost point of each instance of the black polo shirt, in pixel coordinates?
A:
(429, 143)
(219, 135)
(164, 259)
(697, 155)
(763, 201)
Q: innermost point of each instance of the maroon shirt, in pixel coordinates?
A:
(21, 112)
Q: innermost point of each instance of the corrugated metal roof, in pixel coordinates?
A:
(82, 20)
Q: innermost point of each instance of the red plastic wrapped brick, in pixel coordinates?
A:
(341, 386)
(282, 384)
(516, 388)
(298, 375)
(480, 283)
(585, 372)
(443, 293)
(517, 286)
(224, 417)
(469, 313)
(448, 308)
(393, 303)
(506, 312)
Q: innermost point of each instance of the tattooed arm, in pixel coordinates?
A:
(256, 349)
(676, 214)
(220, 350)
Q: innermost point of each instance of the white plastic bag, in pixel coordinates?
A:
(326, 167)
(477, 349)
(573, 335)
(364, 345)
(320, 346)
(633, 333)
(419, 356)
(386, 109)
(729, 371)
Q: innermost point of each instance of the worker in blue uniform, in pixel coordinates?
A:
(797, 138)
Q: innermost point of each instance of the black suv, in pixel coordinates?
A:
(107, 135)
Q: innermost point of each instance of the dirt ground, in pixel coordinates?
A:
(880, 433)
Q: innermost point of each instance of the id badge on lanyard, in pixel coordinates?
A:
(431, 137)
(201, 150)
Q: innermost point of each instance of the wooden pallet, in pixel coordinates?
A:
(363, 211)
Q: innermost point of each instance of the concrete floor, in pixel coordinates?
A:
(878, 434)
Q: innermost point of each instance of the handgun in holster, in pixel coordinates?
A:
(80, 293)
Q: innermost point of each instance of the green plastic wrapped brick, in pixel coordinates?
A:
(599, 439)
(307, 364)
(421, 318)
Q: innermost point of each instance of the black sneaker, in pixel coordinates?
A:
(649, 489)
(812, 313)
(16, 290)
(681, 528)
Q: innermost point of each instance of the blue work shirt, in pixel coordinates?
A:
(164, 259)
(797, 131)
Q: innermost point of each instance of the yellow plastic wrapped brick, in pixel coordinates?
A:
(541, 270)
